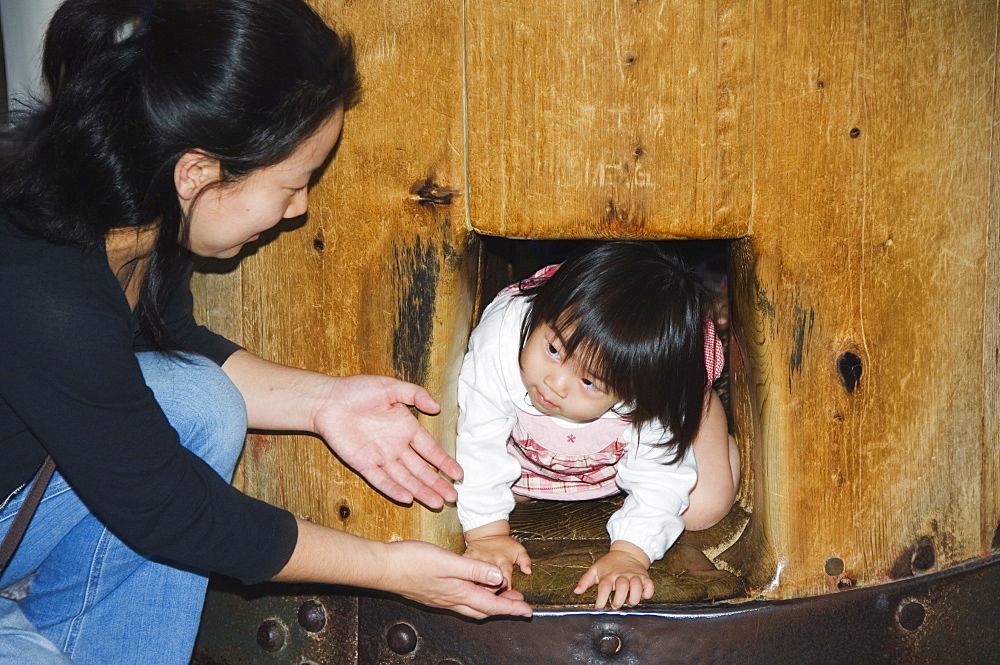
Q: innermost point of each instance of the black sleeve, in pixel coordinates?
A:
(70, 374)
(179, 319)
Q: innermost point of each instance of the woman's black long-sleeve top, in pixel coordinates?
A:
(71, 387)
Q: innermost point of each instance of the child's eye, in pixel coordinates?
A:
(553, 351)
(590, 385)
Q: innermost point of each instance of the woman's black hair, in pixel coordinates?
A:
(631, 313)
(134, 85)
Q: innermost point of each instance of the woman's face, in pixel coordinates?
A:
(224, 218)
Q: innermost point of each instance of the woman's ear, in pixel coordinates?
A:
(195, 170)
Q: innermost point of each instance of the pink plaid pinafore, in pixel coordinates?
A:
(569, 464)
(573, 464)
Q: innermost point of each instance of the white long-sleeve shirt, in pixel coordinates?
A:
(489, 392)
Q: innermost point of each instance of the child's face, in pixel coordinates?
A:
(559, 386)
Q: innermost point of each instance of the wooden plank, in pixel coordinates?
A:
(872, 153)
(370, 283)
(218, 304)
(990, 537)
(929, 190)
(607, 119)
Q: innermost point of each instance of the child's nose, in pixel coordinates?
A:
(558, 382)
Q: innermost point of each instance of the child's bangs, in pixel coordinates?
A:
(590, 342)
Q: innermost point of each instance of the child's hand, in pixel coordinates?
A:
(624, 571)
(492, 543)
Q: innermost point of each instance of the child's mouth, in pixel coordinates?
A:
(541, 400)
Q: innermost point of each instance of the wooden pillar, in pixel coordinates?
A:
(863, 297)
(374, 281)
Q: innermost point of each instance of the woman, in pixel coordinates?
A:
(176, 126)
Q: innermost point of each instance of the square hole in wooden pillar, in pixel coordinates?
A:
(563, 538)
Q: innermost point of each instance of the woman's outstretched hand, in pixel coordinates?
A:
(367, 422)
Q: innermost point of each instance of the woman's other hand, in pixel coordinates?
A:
(493, 543)
(419, 571)
(433, 576)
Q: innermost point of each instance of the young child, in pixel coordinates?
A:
(588, 379)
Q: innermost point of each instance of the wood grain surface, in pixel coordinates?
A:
(847, 148)
(608, 119)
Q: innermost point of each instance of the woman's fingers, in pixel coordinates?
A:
(429, 486)
(411, 393)
(425, 446)
(383, 482)
(486, 602)
(513, 594)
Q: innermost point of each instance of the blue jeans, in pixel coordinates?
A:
(74, 593)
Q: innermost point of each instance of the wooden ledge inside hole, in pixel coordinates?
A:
(564, 538)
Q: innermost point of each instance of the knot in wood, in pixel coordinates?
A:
(428, 192)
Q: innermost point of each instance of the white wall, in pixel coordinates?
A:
(24, 23)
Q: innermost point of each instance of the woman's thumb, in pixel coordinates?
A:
(485, 573)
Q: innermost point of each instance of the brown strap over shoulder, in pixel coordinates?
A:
(24, 514)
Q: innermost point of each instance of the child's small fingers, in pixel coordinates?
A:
(635, 591)
(621, 592)
(647, 588)
(523, 562)
(507, 568)
(604, 589)
(585, 582)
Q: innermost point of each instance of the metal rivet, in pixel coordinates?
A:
(834, 566)
(312, 616)
(402, 638)
(911, 615)
(271, 635)
(609, 644)
(855, 132)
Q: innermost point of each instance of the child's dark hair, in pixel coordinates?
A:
(631, 313)
(134, 85)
